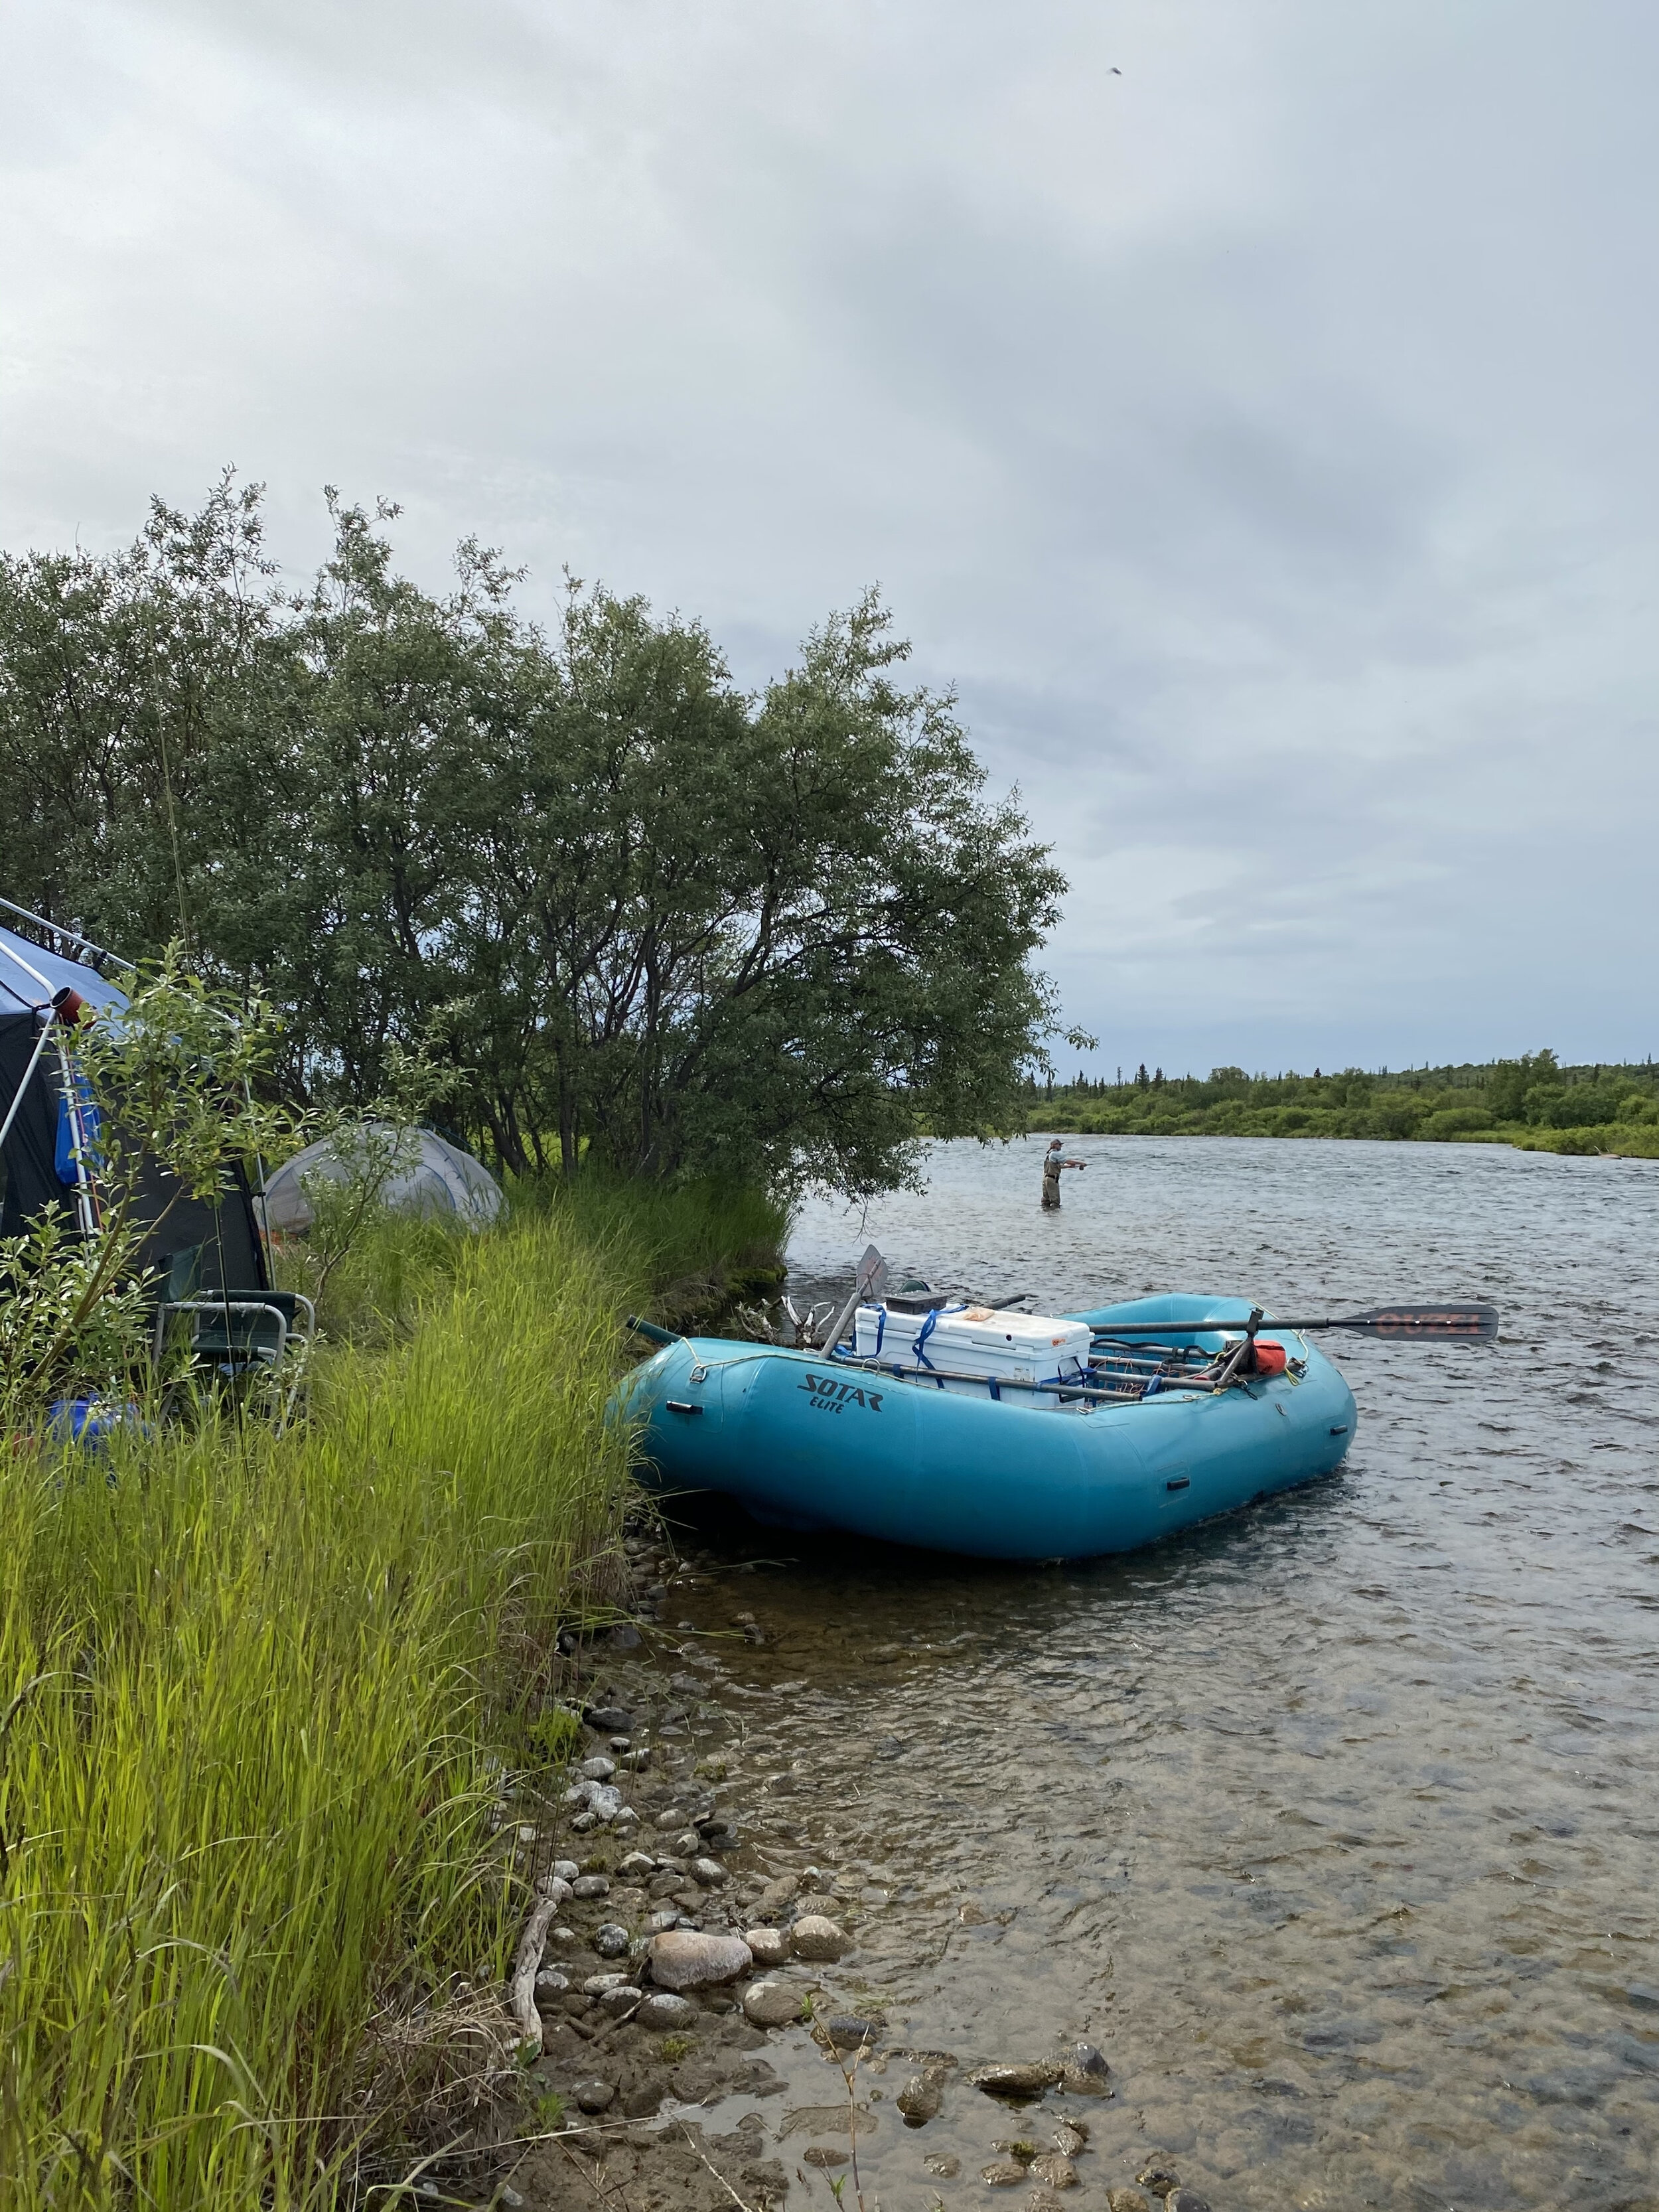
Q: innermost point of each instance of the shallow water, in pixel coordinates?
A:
(1334, 1823)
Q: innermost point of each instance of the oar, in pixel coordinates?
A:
(1472, 1322)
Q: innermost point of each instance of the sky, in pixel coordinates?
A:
(1247, 405)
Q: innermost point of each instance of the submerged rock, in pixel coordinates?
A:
(772, 2004)
(1159, 2176)
(941, 2162)
(681, 1959)
(1186, 2200)
(1055, 2168)
(1003, 2173)
(1069, 2139)
(1014, 2080)
(920, 2099)
(1127, 2200)
(1084, 2073)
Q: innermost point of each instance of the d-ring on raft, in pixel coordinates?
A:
(1159, 1427)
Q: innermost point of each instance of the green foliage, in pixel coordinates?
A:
(1533, 1101)
(252, 1689)
(631, 910)
(673, 2048)
(554, 1734)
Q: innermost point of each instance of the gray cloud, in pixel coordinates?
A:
(1261, 439)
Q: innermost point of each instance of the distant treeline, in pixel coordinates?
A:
(1533, 1102)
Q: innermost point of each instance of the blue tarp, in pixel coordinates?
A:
(24, 968)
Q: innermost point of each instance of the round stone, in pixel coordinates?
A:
(772, 2004)
(682, 1960)
(594, 2096)
(590, 1884)
(769, 1944)
(612, 1940)
(663, 2013)
(819, 1939)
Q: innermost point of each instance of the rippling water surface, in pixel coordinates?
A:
(1334, 1823)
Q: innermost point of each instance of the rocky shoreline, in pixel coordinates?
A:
(684, 1936)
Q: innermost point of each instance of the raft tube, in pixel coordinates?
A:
(808, 1440)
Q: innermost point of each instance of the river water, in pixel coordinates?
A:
(1334, 1824)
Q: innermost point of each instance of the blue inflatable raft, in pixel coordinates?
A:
(1149, 1443)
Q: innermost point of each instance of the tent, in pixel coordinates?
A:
(42, 1110)
(425, 1173)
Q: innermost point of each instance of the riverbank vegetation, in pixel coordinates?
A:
(628, 910)
(263, 1696)
(1533, 1103)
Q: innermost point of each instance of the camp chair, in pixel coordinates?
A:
(237, 1336)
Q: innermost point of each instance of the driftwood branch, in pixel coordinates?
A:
(526, 1964)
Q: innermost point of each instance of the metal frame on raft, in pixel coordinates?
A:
(1162, 1378)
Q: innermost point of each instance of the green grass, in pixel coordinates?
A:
(253, 1693)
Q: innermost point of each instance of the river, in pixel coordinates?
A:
(1333, 1824)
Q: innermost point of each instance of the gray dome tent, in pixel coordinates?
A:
(423, 1174)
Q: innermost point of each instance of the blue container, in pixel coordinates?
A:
(804, 1440)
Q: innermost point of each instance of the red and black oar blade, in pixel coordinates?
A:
(1468, 1322)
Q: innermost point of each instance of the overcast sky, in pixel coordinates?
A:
(1263, 440)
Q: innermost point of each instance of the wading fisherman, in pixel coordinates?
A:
(1052, 1161)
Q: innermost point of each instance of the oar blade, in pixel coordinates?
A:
(1470, 1323)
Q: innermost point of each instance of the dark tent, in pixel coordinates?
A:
(37, 1166)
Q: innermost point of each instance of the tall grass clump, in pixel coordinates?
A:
(699, 1242)
(248, 1690)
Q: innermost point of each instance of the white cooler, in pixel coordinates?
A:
(976, 1341)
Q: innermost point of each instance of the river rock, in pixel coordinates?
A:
(769, 1944)
(663, 2013)
(819, 1939)
(920, 2099)
(1159, 2176)
(1084, 2073)
(1069, 2139)
(778, 1894)
(1055, 2168)
(597, 1984)
(608, 1720)
(590, 1884)
(1127, 2200)
(598, 1769)
(594, 2096)
(1003, 2173)
(611, 1941)
(847, 2032)
(940, 2162)
(638, 1866)
(1186, 2200)
(621, 2001)
(550, 1983)
(771, 2004)
(709, 1871)
(565, 1869)
(583, 1823)
(1014, 2080)
(682, 1961)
